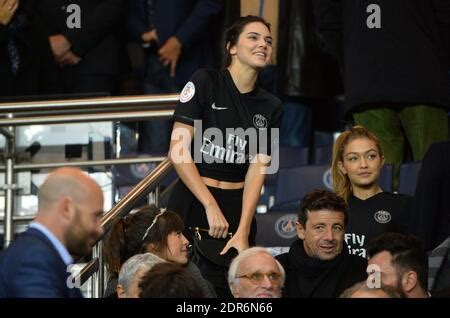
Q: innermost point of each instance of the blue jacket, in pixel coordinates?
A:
(32, 268)
(188, 20)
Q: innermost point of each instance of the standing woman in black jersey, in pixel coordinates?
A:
(356, 168)
(223, 171)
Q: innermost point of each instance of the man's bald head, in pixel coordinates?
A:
(65, 182)
(71, 207)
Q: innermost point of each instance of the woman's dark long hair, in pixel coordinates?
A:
(126, 237)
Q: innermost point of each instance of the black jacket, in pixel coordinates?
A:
(305, 69)
(188, 20)
(430, 215)
(405, 61)
(96, 41)
(308, 277)
(36, 72)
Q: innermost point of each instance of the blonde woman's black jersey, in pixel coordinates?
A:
(367, 219)
(231, 128)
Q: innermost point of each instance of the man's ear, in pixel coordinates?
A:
(121, 291)
(341, 168)
(66, 207)
(300, 230)
(409, 281)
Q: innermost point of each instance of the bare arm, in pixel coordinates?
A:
(254, 180)
(181, 158)
(7, 10)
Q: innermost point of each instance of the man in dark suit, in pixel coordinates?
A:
(176, 36)
(27, 67)
(84, 41)
(68, 222)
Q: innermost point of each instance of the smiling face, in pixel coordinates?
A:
(323, 234)
(254, 46)
(177, 248)
(361, 162)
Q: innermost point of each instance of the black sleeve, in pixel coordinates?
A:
(135, 20)
(404, 213)
(197, 21)
(273, 132)
(275, 123)
(329, 20)
(3, 33)
(98, 24)
(276, 117)
(442, 13)
(192, 99)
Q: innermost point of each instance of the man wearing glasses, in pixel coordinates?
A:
(255, 273)
(318, 264)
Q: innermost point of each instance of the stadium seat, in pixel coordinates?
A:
(385, 180)
(322, 155)
(276, 229)
(409, 172)
(294, 183)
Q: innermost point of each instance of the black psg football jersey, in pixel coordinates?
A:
(367, 219)
(230, 127)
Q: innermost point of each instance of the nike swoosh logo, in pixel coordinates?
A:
(213, 106)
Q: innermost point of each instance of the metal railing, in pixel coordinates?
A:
(148, 184)
(73, 111)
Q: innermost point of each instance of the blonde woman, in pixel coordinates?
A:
(356, 166)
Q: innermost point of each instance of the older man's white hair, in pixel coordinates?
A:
(135, 264)
(246, 254)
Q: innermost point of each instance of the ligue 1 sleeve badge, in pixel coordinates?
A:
(188, 92)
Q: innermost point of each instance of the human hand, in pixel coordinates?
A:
(7, 10)
(69, 58)
(218, 225)
(59, 45)
(169, 53)
(238, 241)
(149, 36)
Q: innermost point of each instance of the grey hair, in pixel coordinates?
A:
(246, 254)
(134, 264)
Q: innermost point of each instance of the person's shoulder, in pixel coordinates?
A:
(205, 74)
(398, 197)
(269, 97)
(283, 259)
(29, 247)
(357, 261)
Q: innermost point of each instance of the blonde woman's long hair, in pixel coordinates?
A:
(341, 183)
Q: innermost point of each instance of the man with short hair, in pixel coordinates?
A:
(68, 222)
(318, 264)
(399, 261)
(255, 273)
(364, 290)
(131, 273)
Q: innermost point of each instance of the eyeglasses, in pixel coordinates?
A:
(258, 277)
(153, 223)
